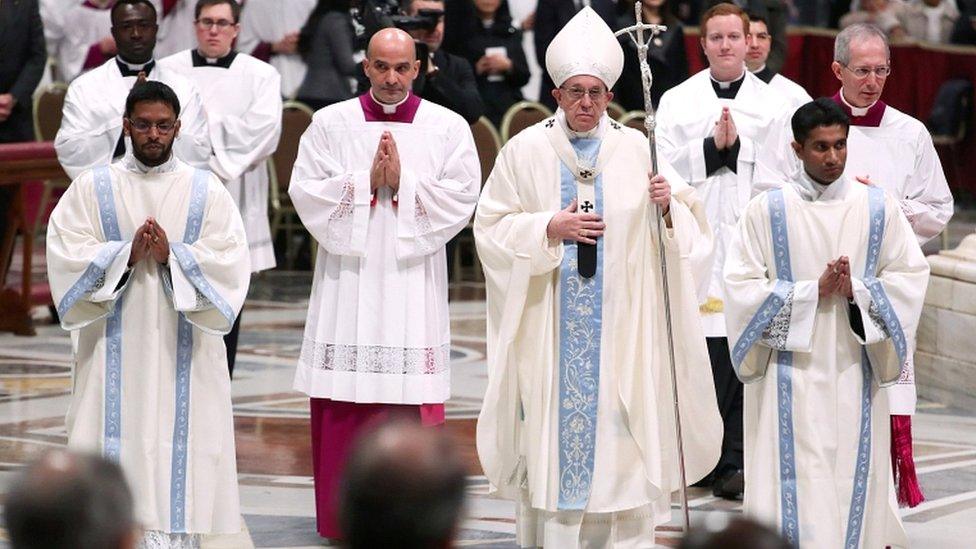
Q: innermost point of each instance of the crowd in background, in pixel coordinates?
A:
(484, 55)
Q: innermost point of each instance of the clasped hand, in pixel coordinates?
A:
(385, 171)
(149, 241)
(836, 279)
(725, 133)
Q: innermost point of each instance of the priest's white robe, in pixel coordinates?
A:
(378, 327)
(95, 105)
(242, 101)
(52, 17)
(685, 118)
(633, 470)
(268, 21)
(794, 93)
(151, 388)
(176, 32)
(899, 157)
(82, 26)
(817, 459)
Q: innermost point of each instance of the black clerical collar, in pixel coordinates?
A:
(221, 62)
(727, 90)
(765, 74)
(128, 69)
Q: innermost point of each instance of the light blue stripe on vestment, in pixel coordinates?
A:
(184, 355)
(112, 435)
(95, 271)
(789, 507)
(878, 295)
(784, 281)
(581, 311)
(862, 464)
(193, 272)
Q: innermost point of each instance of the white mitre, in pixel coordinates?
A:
(586, 45)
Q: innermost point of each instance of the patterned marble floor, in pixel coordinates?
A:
(272, 428)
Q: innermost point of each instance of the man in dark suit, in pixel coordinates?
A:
(22, 59)
(550, 17)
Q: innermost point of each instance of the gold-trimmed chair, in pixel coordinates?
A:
(487, 142)
(48, 110)
(522, 115)
(295, 119)
(634, 119)
(615, 110)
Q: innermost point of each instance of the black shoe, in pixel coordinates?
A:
(729, 485)
(707, 481)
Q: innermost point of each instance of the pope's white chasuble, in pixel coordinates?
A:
(579, 391)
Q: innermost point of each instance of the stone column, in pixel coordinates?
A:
(945, 357)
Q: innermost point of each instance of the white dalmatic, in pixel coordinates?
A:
(896, 153)
(242, 99)
(817, 458)
(378, 327)
(95, 105)
(151, 388)
(268, 21)
(578, 420)
(685, 120)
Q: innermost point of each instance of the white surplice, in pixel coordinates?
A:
(378, 327)
(241, 96)
(634, 467)
(794, 93)
(268, 21)
(897, 156)
(176, 31)
(151, 388)
(817, 459)
(82, 26)
(93, 112)
(685, 118)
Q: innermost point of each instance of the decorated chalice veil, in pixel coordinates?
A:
(578, 422)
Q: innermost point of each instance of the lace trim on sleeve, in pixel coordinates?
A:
(423, 226)
(776, 333)
(339, 232)
(875, 315)
(155, 539)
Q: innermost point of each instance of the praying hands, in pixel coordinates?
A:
(385, 171)
(725, 132)
(149, 240)
(836, 279)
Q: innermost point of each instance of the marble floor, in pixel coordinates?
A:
(271, 420)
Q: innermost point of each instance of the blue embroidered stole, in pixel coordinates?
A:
(580, 312)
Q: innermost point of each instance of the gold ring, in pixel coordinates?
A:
(155, 239)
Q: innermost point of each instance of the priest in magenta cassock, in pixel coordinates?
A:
(382, 182)
(825, 284)
(577, 424)
(148, 265)
(893, 151)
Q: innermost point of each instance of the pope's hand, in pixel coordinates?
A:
(660, 191)
(581, 227)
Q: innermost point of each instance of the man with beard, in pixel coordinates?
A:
(91, 131)
(149, 265)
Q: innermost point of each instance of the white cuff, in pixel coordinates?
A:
(113, 274)
(806, 295)
(862, 298)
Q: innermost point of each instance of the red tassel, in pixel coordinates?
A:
(902, 462)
